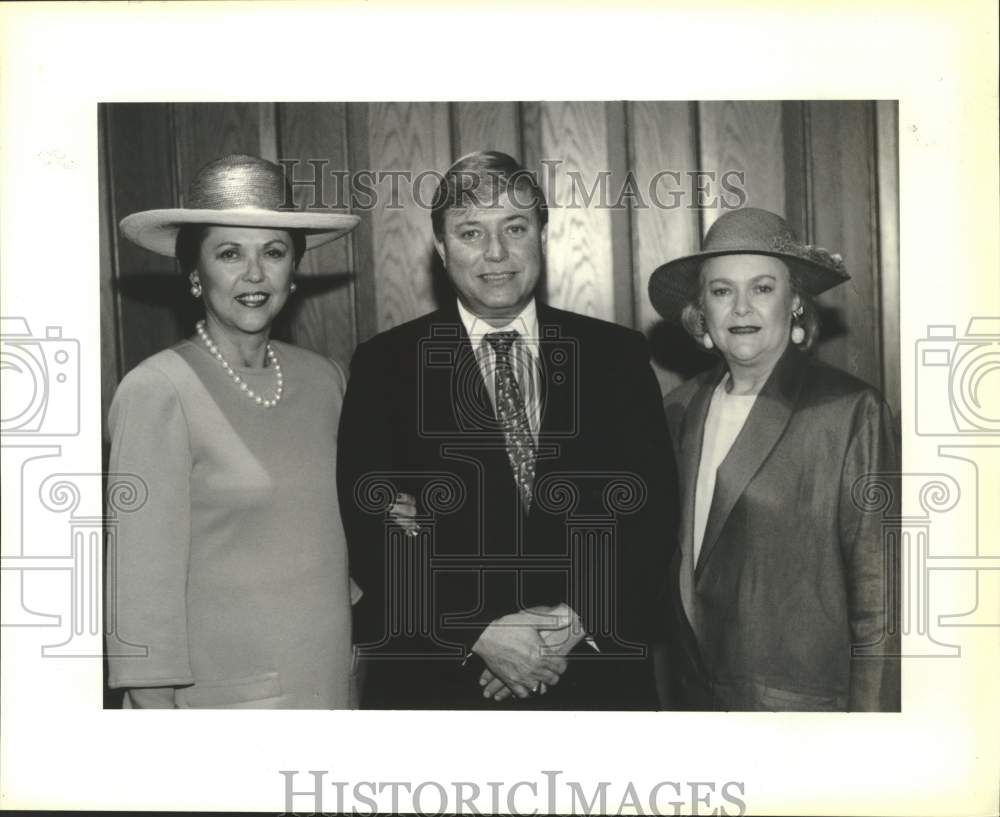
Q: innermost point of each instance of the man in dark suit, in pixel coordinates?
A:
(506, 481)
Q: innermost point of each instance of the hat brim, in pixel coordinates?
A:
(156, 230)
(673, 285)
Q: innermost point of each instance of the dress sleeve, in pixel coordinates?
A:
(339, 377)
(869, 508)
(148, 556)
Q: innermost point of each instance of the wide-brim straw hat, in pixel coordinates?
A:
(236, 191)
(747, 231)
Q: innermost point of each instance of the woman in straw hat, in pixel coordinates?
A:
(229, 587)
(785, 587)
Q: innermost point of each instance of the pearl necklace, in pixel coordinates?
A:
(272, 356)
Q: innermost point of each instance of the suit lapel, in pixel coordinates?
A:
(763, 428)
(558, 409)
(555, 405)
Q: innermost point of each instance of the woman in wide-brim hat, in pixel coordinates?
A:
(785, 580)
(229, 586)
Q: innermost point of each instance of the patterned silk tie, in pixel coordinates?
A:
(512, 415)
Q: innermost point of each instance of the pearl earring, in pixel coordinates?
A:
(292, 287)
(706, 341)
(196, 288)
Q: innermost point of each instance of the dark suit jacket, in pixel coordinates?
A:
(417, 418)
(797, 565)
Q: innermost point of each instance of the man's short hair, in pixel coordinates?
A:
(478, 179)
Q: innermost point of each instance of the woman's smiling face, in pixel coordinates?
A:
(748, 302)
(245, 274)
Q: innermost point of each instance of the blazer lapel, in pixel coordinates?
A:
(763, 428)
(691, 433)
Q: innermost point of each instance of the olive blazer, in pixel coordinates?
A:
(793, 603)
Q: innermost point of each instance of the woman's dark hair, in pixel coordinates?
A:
(693, 315)
(188, 245)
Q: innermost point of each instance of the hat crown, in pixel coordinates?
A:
(240, 181)
(748, 230)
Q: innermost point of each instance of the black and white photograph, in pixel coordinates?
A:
(507, 409)
(591, 430)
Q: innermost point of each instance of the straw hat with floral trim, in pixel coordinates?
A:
(748, 231)
(236, 191)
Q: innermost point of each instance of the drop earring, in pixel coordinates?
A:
(706, 339)
(196, 288)
(798, 333)
(292, 287)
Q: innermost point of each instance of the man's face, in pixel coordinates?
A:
(494, 257)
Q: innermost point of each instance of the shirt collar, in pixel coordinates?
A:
(525, 324)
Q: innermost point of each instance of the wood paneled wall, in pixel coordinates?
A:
(829, 167)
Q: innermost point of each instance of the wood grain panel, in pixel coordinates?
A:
(362, 241)
(320, 316)
(530, 117)
(841, 142)
(485, 126)
(829, 167)
(206, 131)
(742, 137)
(579, 258)
(110, 340)
(404, 137)
(662, 150)
(798, 175)
(155, 307)
(267, 130)
(887, 156)
(620, 213)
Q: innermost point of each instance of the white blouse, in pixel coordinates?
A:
(727, 414)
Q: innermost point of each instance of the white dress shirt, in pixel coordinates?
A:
(525, 354)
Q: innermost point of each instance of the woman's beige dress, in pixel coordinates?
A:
(232, 577)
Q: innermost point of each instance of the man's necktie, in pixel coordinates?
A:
(512, 415)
